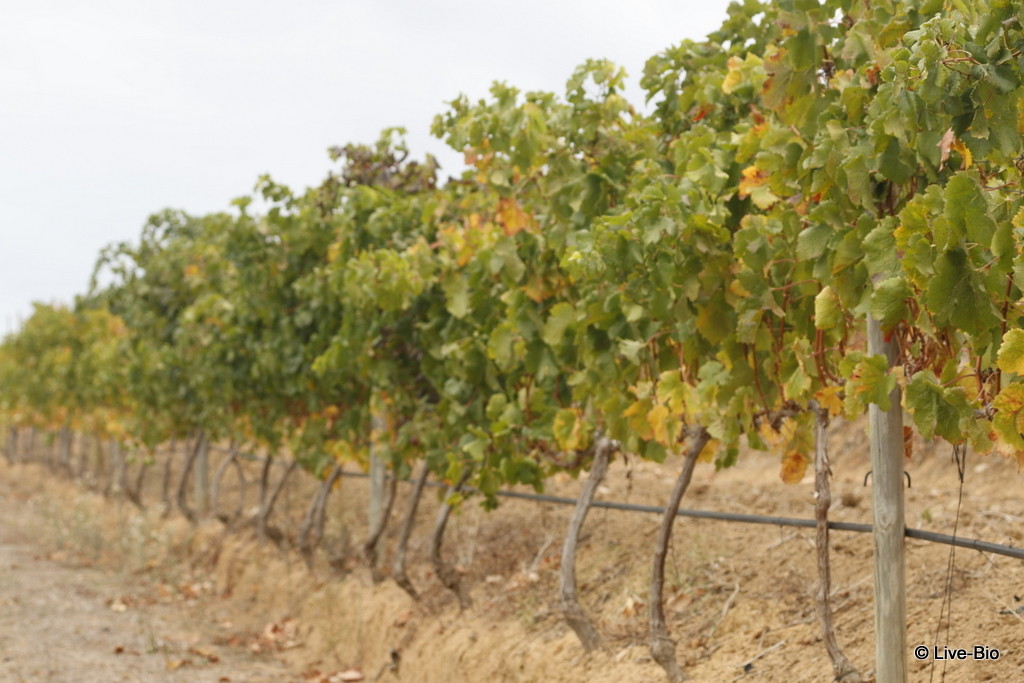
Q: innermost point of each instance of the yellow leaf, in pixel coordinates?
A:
(734, 77)
(736, 288)
(333, 252)
(512, 217)
(755, 185)
(828, 398)
(637, 415)
(707, 454)
(660, 423)
(537, 288)
(778, 438)
(672, 391)
(794, 436)
(960, 147)
(752, 177)
(569, 431)
(794, 464)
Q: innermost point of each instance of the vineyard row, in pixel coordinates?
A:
(822, 215)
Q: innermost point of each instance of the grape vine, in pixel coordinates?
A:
(707, 269)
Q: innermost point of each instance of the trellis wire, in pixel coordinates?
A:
(920, 534)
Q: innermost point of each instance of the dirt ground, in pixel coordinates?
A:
(91, 589)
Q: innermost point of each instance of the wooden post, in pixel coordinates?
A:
(887, 507)
(118, 474)
(66, 438)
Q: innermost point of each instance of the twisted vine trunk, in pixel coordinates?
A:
(574, 614)
(231, 459)
(201, 469)
(134, 492)
(263, 527)
(83, 458)
(182, 495)
(312, 529)
(321, 514)
(53, 456)
(663, 648)
(398, 572)
(842, 668)
(377, 529)
(165, 487)
(445, 572)
(265, 480)
(30, 444)
(11, 452)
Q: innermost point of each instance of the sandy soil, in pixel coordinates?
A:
(61, 622)
(740, 598)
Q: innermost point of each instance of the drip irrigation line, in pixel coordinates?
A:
(920, 534)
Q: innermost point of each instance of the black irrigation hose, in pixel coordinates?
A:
(981, 546)
(920, 534)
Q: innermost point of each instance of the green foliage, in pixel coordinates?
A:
(597, 270)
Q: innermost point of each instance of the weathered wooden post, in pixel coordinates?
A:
(887, 508)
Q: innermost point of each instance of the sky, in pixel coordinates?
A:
(112, 110)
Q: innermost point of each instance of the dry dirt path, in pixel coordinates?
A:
(61, 622)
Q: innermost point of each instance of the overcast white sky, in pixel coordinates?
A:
(111, 110)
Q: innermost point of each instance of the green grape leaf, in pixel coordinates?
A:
(893, 163)
(936, 409)
(713, 319)
(827, 311)
(476, 448)
(488, 482)
(559, 319)
(501, 345)
(966, 211)
(569, 431)
(797, 384)
(456, 292)
(957, 295)
(631, 348)
(880, 250)
(812, 241)
(869, 381)
(888, 302)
